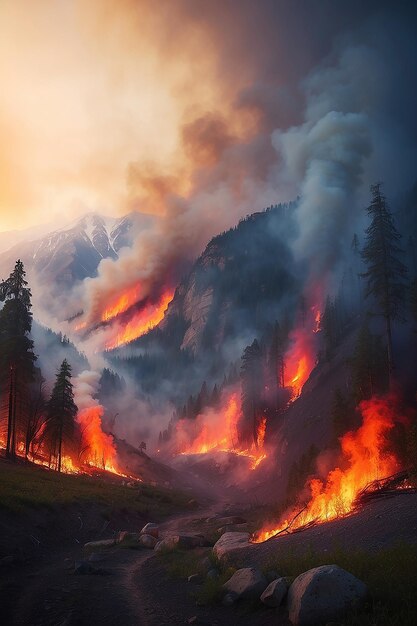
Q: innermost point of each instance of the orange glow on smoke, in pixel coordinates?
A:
(141, 322)
(221, 435)
(122, 304)
(364, 454)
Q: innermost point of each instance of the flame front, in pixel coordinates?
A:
(122, 304)
(141, 322)
(364, 452)
(300, 359)
(221, 435)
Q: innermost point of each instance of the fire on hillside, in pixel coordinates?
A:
(365, 458)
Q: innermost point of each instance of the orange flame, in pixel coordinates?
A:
(141, 322)
(122, 304)
(300, 359)
(100, 450)
(221, 435)
(367, 459)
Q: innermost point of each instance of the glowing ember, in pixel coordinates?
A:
(219, 433)
(122, 304)
(367, 459)
(141, 322)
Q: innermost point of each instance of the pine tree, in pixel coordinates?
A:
(276, 360)
(16, 353)
(386, 274)
(252, 385)
(61, 412)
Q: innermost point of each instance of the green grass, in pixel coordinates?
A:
(23, 487)
(391, 576)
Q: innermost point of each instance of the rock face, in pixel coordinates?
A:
(323, 594)
(275, 593)
(246, 583)
(230, 541)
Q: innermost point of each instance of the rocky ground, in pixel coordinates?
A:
(72, 585)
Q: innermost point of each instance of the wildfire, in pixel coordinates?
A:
(300, 358)
(141, 322)
(221, 435)
(100, 450)
(122, 304)
(365, 455)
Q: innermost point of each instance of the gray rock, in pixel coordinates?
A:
(323, 594)
(185, 542)
(206, 564)
(242, 528)
(103, 543)
(230, 541)
(275, 593)
(213, 573)
(148, 541)
(246, 583)
(150, 529)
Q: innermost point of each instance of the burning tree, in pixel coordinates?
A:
(385, 273)
(61, 413)
(16, 353)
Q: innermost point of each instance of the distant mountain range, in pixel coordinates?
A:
(72, 253)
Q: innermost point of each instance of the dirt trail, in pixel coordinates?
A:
(45, 591)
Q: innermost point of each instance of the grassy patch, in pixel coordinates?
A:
(182, 563)
(391, 576)
(23, 487)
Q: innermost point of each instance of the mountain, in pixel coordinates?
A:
(72, 253)
(244, 280)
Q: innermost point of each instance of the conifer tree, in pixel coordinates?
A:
(61, 412)
(252, 384)
(385, 274)
(16, 353)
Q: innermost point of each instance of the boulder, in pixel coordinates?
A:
(275, 593)
(185, 542)
(103, 543)
(323, 594)
(150, 529)
(148, 541)
(230, 541)
(246, 583)
(124, 535)
(213, 574)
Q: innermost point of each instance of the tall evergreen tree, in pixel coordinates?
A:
(252, 385)
(61, 412)
(386, 274)
(16, 353)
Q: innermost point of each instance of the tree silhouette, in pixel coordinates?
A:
(16, 353)
(61, 412)
(252, 385)
(386, 274)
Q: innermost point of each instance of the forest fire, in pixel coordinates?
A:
(221, 435)
(300, 359)
(141, 322)
(122, 304)
(365, 458)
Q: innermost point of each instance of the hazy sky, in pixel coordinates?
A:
(109, 104)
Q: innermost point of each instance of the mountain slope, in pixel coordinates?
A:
(73, 253)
